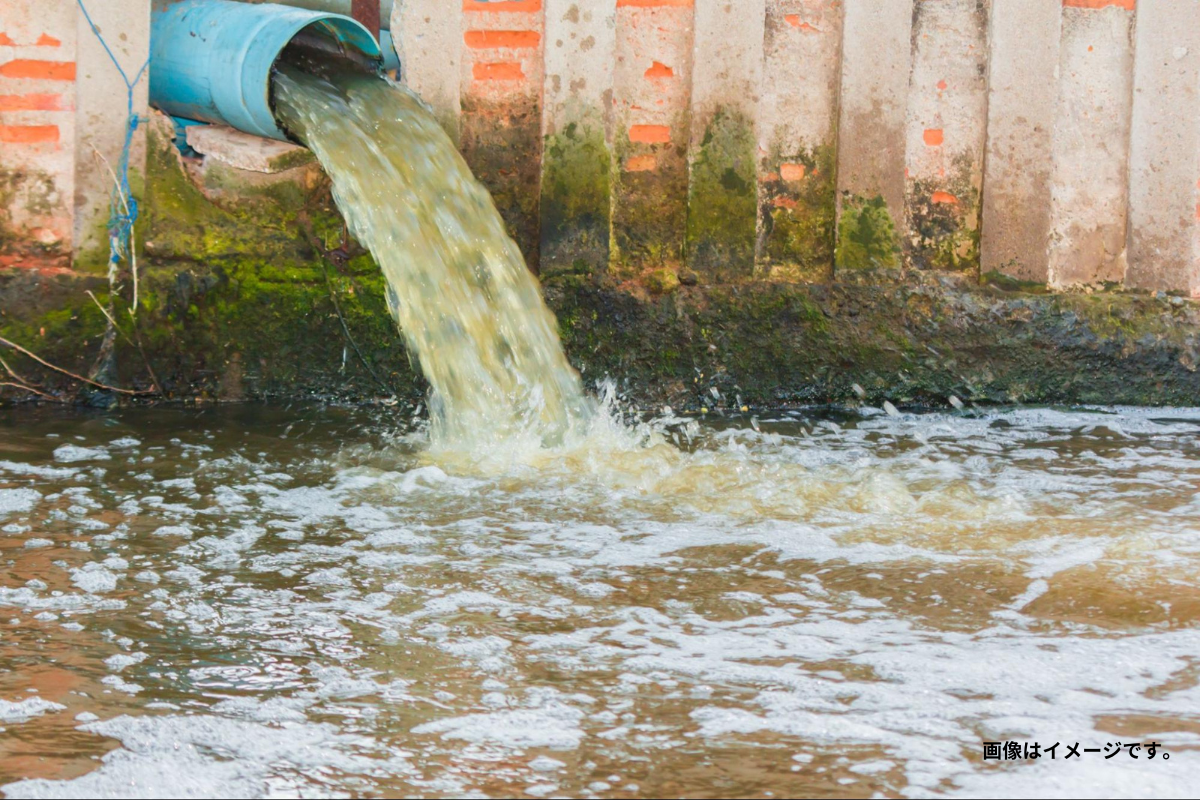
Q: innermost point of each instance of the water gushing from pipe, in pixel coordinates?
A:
(468, 308)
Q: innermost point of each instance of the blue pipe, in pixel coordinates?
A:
(211, 60)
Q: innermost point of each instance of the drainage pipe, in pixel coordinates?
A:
(364, 12)
(211, 60)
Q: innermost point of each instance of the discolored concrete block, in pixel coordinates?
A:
(37, 131)
(797, 139)
(876, 65)
(429, 41)
(501, 123)
(1164, 170)
(578, 122)
(722, 154)
(101, 116)
(1021, 110)
(946, 133)
(1090, 178)
(651, 93)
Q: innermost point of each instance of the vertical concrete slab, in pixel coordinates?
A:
(802, 43)
(722, 226)
(651, 92)
(947, 133)
(1022, 107)
(37, 131)
(1090, 178)
(1164, 217)
(102, 117)
(876, 65)
(501, 123)
(428, 38)
(577, 121)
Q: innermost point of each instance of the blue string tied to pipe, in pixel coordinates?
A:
(123, 208)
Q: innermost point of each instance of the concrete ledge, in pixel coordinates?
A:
(244, 151)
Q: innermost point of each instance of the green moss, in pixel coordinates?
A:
(867, 236)
(650, 209)
(576, 198)
(799, 216)
(943, 219)
(1010, 284)
(661, 281)
(723, 199)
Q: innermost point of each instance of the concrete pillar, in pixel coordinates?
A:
(428, 38)
(102, 117)
(1090, 179)
(876, 65)
(1164, 232)
(723, 158)
(651, 92)
(577, 121)
(501, 124)
(37, 131)
(1022, 106)
(798, 137)
(947, 133)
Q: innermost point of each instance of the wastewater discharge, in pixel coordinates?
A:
(469, 309)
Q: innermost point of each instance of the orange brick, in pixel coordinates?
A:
(31, 102)
(513, 40)
(795, 21)
(660, 70)
(28, 134)
(510, 6)
(934, 136)
(38, 70)
(46, 40)
(1128, 5)
(5, 41)
(650, 134)
(641, 164)
(792, 172)
(943, 198)
(654, 3)
(499, 71)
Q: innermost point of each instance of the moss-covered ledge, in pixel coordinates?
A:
(245, 329)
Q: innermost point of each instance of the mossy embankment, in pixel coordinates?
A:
(254, 292)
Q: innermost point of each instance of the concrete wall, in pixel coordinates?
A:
(63, 123)
(1054, 141)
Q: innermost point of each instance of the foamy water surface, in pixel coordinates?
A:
(305, 601)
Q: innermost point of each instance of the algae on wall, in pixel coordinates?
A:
(797, 212)
(867, 236)
(723, 200)
(576, 199)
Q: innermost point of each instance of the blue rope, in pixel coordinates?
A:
(120, 220)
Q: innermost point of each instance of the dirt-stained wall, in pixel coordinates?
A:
(718, 141)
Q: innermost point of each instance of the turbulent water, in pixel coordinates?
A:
(268, 602)
(468, 307)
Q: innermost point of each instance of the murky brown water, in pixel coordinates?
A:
(266, 601)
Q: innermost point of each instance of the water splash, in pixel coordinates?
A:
(467, 306)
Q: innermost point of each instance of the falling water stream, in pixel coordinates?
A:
(525, 596)
(469, 309)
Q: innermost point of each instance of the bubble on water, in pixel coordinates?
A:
(69, 453)
(17, 501)
(25, 710)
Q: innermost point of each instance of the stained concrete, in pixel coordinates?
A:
(1164, 169)
(1022, 107)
